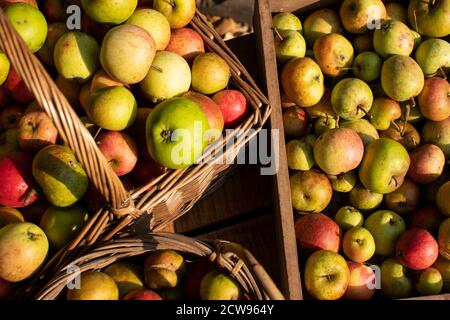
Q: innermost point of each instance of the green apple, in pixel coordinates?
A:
(177, 133)
(76, 56)
(94, 285)
(386, 227)
(286, 21)
(29, 22)
(367, 66)
(393, 37)
(344, 182)
(61, 225)
(127, 276)
(433, 56)
(364, 199)
(326, 275)
(299, 155)
(417, 38)
(384, 165)
(442, 198)
(394, 282)
(443, 265)
(430, 17)
(109, 12)
(349, 217)
(351, 98)
(319, 23)
(112, 108)
(310, 191)
(178, 12)
(363, 128)
(210, 73)
(383, 112)
(358, 244)
(169, 76)
(429, 282)
(218, 285)
(4, 67)
(324, 124)
(310, 139)
(289, 45)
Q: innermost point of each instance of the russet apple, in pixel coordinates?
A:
(358, 16)
(10, 215)
(429, 282)
(343, 182)
(358, 244)
(393, 37)
(233, 105)
(107, 12)
(361, 285)
(210, 73)
(36, 131)
(187, 43)
(363, 128)
(348, 217)
(383, 112)
(434, 100)
(334, 54)
(429, 17)
(395, 284)
(427, 163)
(351, 98)
(433, 56)
(405, 199)
(289, 45)
(299, 155)
(438, 133)
(311, 191)
(178, 12)
(442, 197)
(386, 227)
(94, 285)
(128, 277)
(295, 122)
(367, 66)
(416, 249)
(319, 23)
(363, 199)
(218, 285)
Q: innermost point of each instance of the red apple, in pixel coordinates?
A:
(295, 122)
(4, 99)
(10, 117)
(212, 111)
(428, 218)
(145, 171)
(196, 271)
(361, 284)
(16, 180)
(416, 249)
(427, 163)
(142, 294)
(17, 89)
(316, 231)
(233, 105)
(6, 289)
(434, 100)
(36, 130)
(186, 43)
(119, 149)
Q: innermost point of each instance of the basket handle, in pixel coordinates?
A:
(70, 128)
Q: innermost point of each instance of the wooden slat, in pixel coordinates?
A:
(293, 5)
(290, 280)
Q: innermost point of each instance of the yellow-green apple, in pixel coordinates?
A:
(295, 122)
(428, 218)
(442, 197)
(363, 128)
(351, 98)
(317, 231)
(323, 108)
(363, 42)
(127, 53)
(319, 23)
(10, 215)
(434, 100)
(102, 80)
(4, 67)
(395, 11)
(142, 294)
(386, 227)
(417, 38)
(393, 37)
(9, 142)
(443, 265)
(127, 276)
(177, 132)
(23, 249)
(338, 151)
(326, 275)
(416, 249)
(383, 112)
(71, 90)
(404, 133)
(169, 76)
(286, 21)
(76, 56)
(119, 149)
(112, 108)
(311, 191)
(359, 16)
(348, 217)
(303, 81)
(178, 12)
(218, 285)
(344, 182)
(430, 17)
(334, 54)
(289, 45)
(4, 3)
(233, 105)
(61, 225)
(154, 23)
(196, 271)
(401, 78)
(210, 73)
(367, 66)
(16, 88)
(433, 56)
(17, 187)
(324, 124)
(358, 244)
(29, 22)
(384, 165)
(361, 285)
(299, 155)
(164, 269)
(429, 282)
(395, 284)
(444, 235)
(363, 199)
(10, 117)
(427, 163)
(104, 11)
(36, 131)
(438, 133)
(94, 285)
(186, 43)
(405, 199)
(212, 111)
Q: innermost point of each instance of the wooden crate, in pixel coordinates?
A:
(264, 10)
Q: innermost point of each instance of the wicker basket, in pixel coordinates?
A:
(237, 260)
(165, 198)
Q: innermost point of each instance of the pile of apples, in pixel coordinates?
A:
(164, 275)
(141, 82)
(366, 104)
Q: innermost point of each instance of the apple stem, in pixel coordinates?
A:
(415, 20)
(166, 134)
(362, 109)
(443, 73)
(337, 121)
(170, 2)
(397, 127)
(395, 180)
(407, 112)
(157, 69)
(348, 68)
(278, 34)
